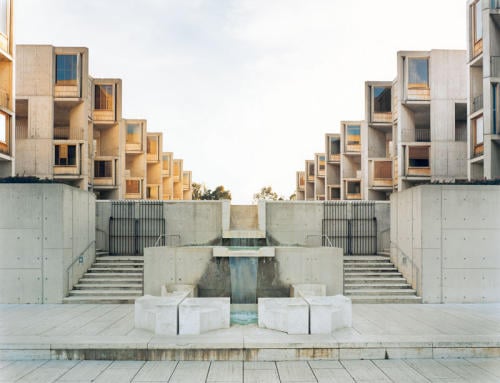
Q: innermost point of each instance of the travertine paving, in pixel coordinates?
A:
(419, 370)
(383, 331)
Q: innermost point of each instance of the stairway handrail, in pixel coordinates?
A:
(76, 259)
(166, 235)
(320, 235)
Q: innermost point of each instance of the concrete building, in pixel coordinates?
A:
(52, 105)
(7, 99)
(70, 128)
(414, 132)
(430, 112)
(106, 160)
(483, 73)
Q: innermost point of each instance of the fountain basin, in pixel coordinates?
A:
(238, 252)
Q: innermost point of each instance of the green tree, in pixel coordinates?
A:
(200, 192)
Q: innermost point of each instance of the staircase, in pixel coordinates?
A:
(110, 279)
(375, 279)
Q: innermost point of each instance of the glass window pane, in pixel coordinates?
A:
(479, 130)
(66, 69)
(103, 97)
(134, 134)
(478, 22)
(353, 134)
(381, 100)
(4, 10)
(3, 128)
(418, 73)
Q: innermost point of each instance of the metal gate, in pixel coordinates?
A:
(351, 226)
(134, 225)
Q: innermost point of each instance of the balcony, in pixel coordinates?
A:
(334, 193)
(301, 181)
(353, 189)
(422, 135)
(334, 157)
(133, 187)
(186, 181)
(104, 172)
(382, 173)
(5, 99)
(67, 158)
(477, 103)
(418, 161)
(353, 144)
(152, 152)
(153, 192)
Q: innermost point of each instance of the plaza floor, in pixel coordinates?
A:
(383, 331)
(412, 370)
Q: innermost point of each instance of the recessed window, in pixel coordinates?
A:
(310, 169)
(4, 16)
(152, 145)
(134, 134)
(334, 145)
(418, 73)
(65, 155)
(381, 100)
(321, 163)
(477, 18)
(353, 188)
(353, 135)
(103, 97)
(102, 169)
(478, 135)
(418, 157)
(66, 69)
(166, 162)
(132, 187)
(3, 128)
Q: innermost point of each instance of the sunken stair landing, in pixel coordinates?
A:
(375, 279)
(110, 279)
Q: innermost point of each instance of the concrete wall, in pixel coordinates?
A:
(444, 239)
(187, 223)
(43, 228)
(196, 265)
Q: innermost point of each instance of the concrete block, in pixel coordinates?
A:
(301, 290)
(290, 315)
(199, 315)
(172, 289)
(328, 314)
(157, 314)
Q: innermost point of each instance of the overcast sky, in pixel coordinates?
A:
(244, 90)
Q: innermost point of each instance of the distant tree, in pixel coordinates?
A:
(217, 194)
(200, 192)
(293, 197)
(267, 193)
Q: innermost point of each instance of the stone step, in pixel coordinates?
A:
(114, 270)
(368, 264)
(116, 258)
(374, 285)
(380, 292)
(388, 299)
(110, 280)
(100, 300)
(370, 269)
(112, 275)
(92, 286)
(378, 279)
(111, 293)
(365, 258)
(372, 274)
(116, 264)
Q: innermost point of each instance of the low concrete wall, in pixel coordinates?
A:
(196, 265)
(445, 241)
(43, 228)
(187, 222)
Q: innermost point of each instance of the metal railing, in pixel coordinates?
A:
(423, 135)
(167, 236)
(80, 260)
(321, 236)
(414, 268)
(477, 103)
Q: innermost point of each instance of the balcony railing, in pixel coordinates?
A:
(334, 157)
(495, 66)
(423, 135)
(477, 103)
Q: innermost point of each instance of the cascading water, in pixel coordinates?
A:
(243, 279)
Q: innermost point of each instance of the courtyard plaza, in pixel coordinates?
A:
(387, 342)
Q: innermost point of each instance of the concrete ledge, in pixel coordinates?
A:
(225, 252)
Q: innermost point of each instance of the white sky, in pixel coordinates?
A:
(244, 90)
